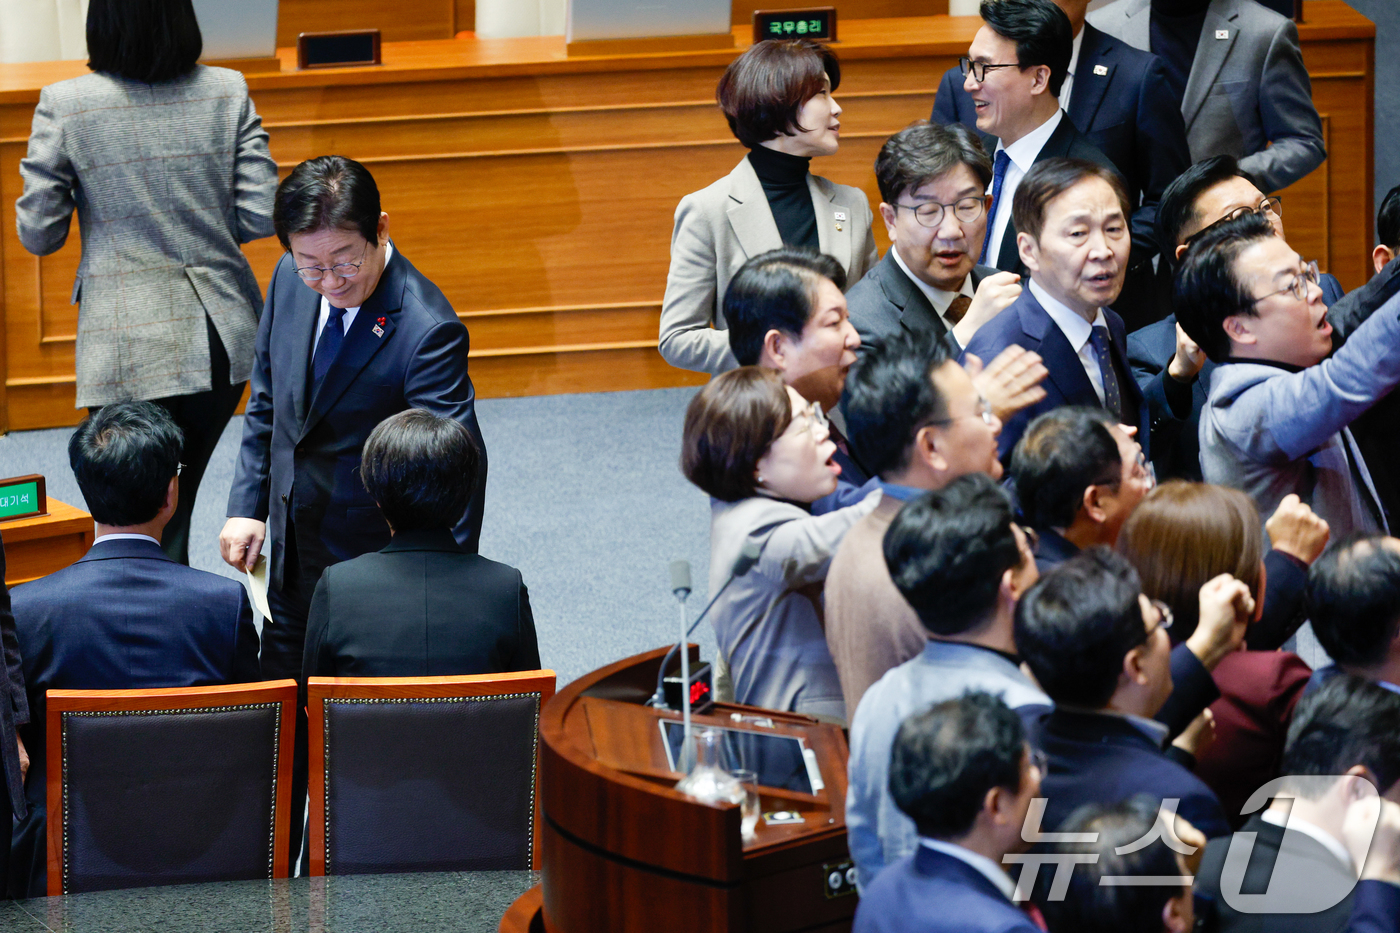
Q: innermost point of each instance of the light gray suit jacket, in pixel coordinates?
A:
(168, 179)
(717, 230)
(768, 623)
(1248, 88)
(1270, 432)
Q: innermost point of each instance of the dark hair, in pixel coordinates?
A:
(325, 193)
(1177, 211)
(890, 394)
(947, 551)
(729, 426)
(1091, 907)
(1077, 623)
(1207, 290)
(776, 290)
(1041, 31)
(945, 759)
(762, 91)
(923, 151)
(1353, 600)
(151, 41)
(124, 456)
(1347, 721)
(1388, 219)
(1047, 180)
(1182, 536)
(421, 469)
(1062, 453)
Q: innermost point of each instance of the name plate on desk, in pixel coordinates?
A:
(817, 23)
(338, 49)
(22, 496)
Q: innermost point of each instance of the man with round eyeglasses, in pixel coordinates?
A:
(1277, 420)
(933, 183)
(350, 334)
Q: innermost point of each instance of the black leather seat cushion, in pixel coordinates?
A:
(168, 797)
(430, 785)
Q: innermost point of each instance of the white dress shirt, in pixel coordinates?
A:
(1069, 78)
(1296, 824)
(936, 296)
(350, 313)
(1022, 154)
(986, 866)
(1077, 331)
(126, 537)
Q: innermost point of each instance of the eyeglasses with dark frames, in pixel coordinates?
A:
(1270, 207)
(984, 411)
(979, 70)
(1299, 286)
(930, 213)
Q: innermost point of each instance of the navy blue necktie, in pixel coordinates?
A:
(332, 336)
(998, 176)
(1112, 395)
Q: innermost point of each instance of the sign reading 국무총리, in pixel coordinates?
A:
(22, 496)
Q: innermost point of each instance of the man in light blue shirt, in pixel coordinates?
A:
(960, 560)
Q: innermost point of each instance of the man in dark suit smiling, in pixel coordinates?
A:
(351, 333)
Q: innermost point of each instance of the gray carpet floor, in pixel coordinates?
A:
(584, 496)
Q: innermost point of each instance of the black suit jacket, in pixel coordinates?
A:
(300, 456)
(125, 616)
(1103, 758)
(14, 705)
(421, 607)
(1128, 112)
(886, 300)
(1300, 860)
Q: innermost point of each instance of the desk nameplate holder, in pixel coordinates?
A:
(23, 497)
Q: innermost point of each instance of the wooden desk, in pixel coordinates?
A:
(36, 547)
(538, 190)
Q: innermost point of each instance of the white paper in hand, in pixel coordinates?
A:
(256, 581)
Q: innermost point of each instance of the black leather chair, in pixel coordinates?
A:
(425, 773)
(169, 786)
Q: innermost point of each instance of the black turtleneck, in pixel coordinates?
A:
(1176, 31)
(784, 180)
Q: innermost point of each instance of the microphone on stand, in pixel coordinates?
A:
(748, 556)
(680, 586)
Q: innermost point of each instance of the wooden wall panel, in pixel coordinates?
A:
(397, 22)
(542, 202)
(847, 9)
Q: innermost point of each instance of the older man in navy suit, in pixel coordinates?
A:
(351, 334)
(962, 770)
(1072, 223)
(125, 615)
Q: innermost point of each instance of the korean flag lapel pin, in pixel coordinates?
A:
(840, 219)
(379, 327)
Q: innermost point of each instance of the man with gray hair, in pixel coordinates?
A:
(933, 200)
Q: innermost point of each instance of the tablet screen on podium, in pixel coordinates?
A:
(780, 761)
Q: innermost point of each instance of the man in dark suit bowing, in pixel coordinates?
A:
(125, 615)
(1119, 98)
(964, 773)
(1072, 218)
(1013, 72)
(932, 181)
(423, 605)
(350, 334)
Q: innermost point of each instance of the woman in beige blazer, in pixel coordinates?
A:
(777, 99)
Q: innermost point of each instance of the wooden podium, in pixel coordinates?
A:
(624, 851)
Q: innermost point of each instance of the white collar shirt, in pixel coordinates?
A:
(350, 313)
(1069, 78)
(1326, 839)
(1022, 154)
(1077, 331)
(936, 296)
(123, 536)
(981, 863)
